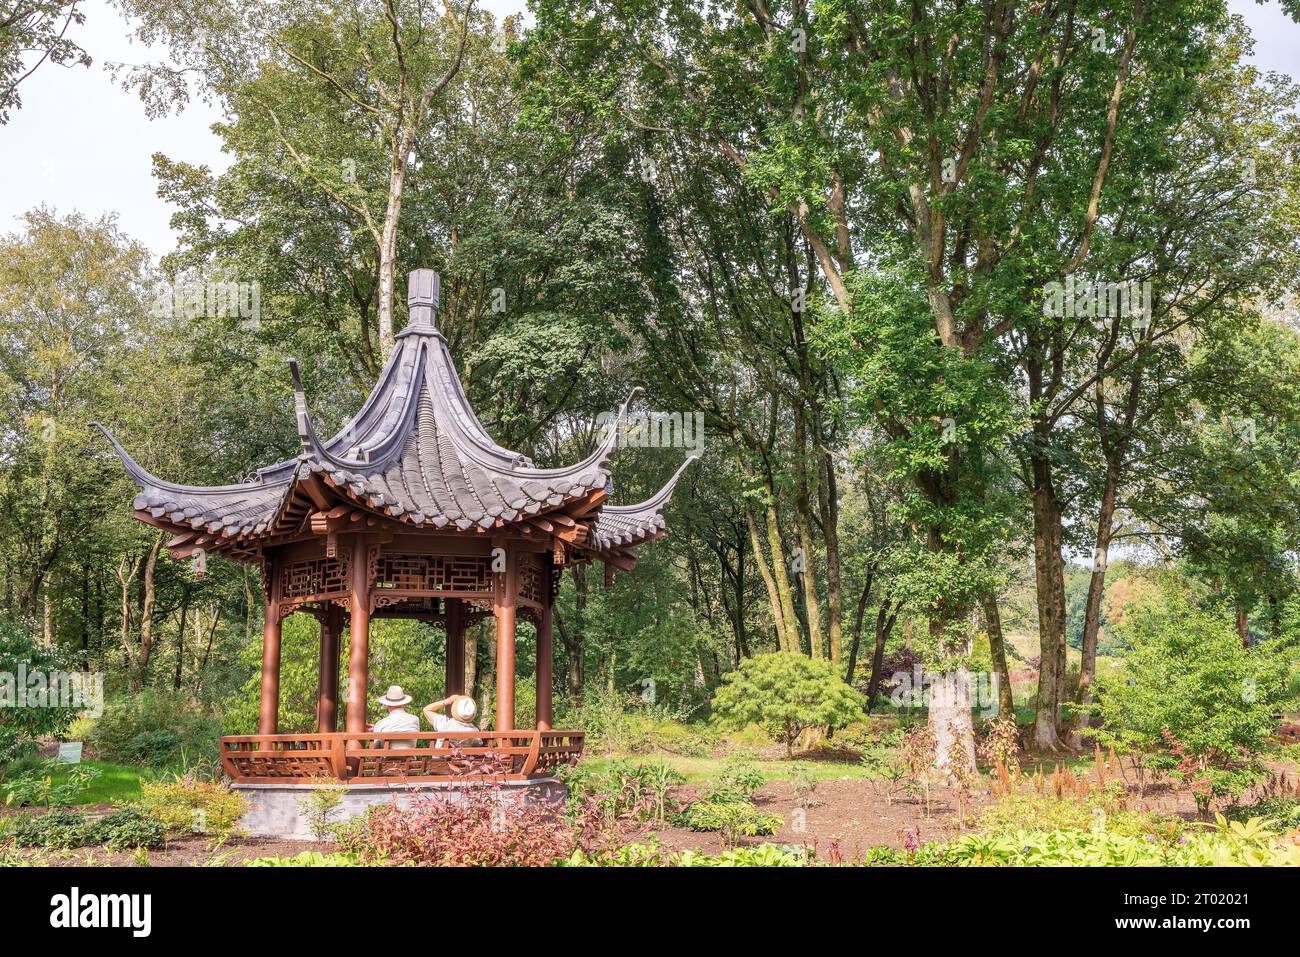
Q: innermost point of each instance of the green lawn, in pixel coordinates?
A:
(115, 782)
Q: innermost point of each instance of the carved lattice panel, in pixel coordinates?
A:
(314, 576)
(434, 573)
(303, 765)
(532, 580)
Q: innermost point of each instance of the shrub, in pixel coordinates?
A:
(622, 790)
(786, 693)
(1097, 811)
(1228, 844)
(725, 806)
(737, 782)
(1281, 812)
(1192, 693)
(625, 724)
(79, 729)
(732, 819)
(129, 827)
(652, 855)
(56, 830)
(307, 859)
(47, 784)
(21, 652)
(185, 806)
(475, 831)
(155, 730)
(319, 804)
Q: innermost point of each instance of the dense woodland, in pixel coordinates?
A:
(835, 230)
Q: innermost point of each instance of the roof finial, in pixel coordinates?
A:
(422, 298)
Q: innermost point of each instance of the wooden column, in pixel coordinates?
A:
(269, 704)
(455, 627)
(327, 679)
(359, 645)
(507, 588)
(545, 679)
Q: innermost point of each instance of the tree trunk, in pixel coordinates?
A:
(1050, 590)
(783, 590)
(828, 500)
(950, 720)
(808, 578)
(146, 616)
(805, 562)
(180, 638)
(742, 640)
(1092, 606)
(998, 652)
(884, 625)
(1243, 624)
(125, 578)
(857, 631)
(765, 572)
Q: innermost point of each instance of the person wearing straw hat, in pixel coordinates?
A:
(462, 710)
(398, 718)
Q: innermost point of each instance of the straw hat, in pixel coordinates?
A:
(395, 697)
(464, 708)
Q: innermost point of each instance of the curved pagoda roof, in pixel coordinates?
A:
(415, 455)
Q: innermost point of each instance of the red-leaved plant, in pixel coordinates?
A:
(479, 829)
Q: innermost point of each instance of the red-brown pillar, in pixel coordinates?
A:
(507, 588)
(269, 704)
(545, 679)
(327, 679)
(454, 622)
(359, 643)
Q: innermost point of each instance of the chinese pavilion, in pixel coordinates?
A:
(410, 511)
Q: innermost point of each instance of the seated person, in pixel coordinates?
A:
(397, 719)
(463, 711)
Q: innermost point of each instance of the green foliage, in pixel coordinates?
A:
(187, 806)
(732, 819)
(155, 729)
(627, 724)
(308, 859)
(1098, 811)
(49, 784)
(725, 806)
(319, 804)
(786, 693)
(653, 855)
(623, 790)
(123, 829)
(1190, 691)
(1229, 844)
(21, 654)
(127, 828)
(1281, 813)
(56, 830)
(737, 782)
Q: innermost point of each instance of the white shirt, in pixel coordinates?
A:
(443, 723)
(401, 721)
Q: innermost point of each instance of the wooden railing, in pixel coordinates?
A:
(429, 756)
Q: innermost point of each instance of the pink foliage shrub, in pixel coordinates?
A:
(476, 831)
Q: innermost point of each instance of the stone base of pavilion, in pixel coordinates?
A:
(274, 772)
(275, 810)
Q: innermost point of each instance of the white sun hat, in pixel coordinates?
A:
(395, 697)
(464, 708)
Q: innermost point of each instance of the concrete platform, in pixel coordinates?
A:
(274, 811)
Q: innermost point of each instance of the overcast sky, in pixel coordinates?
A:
(79, 142)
